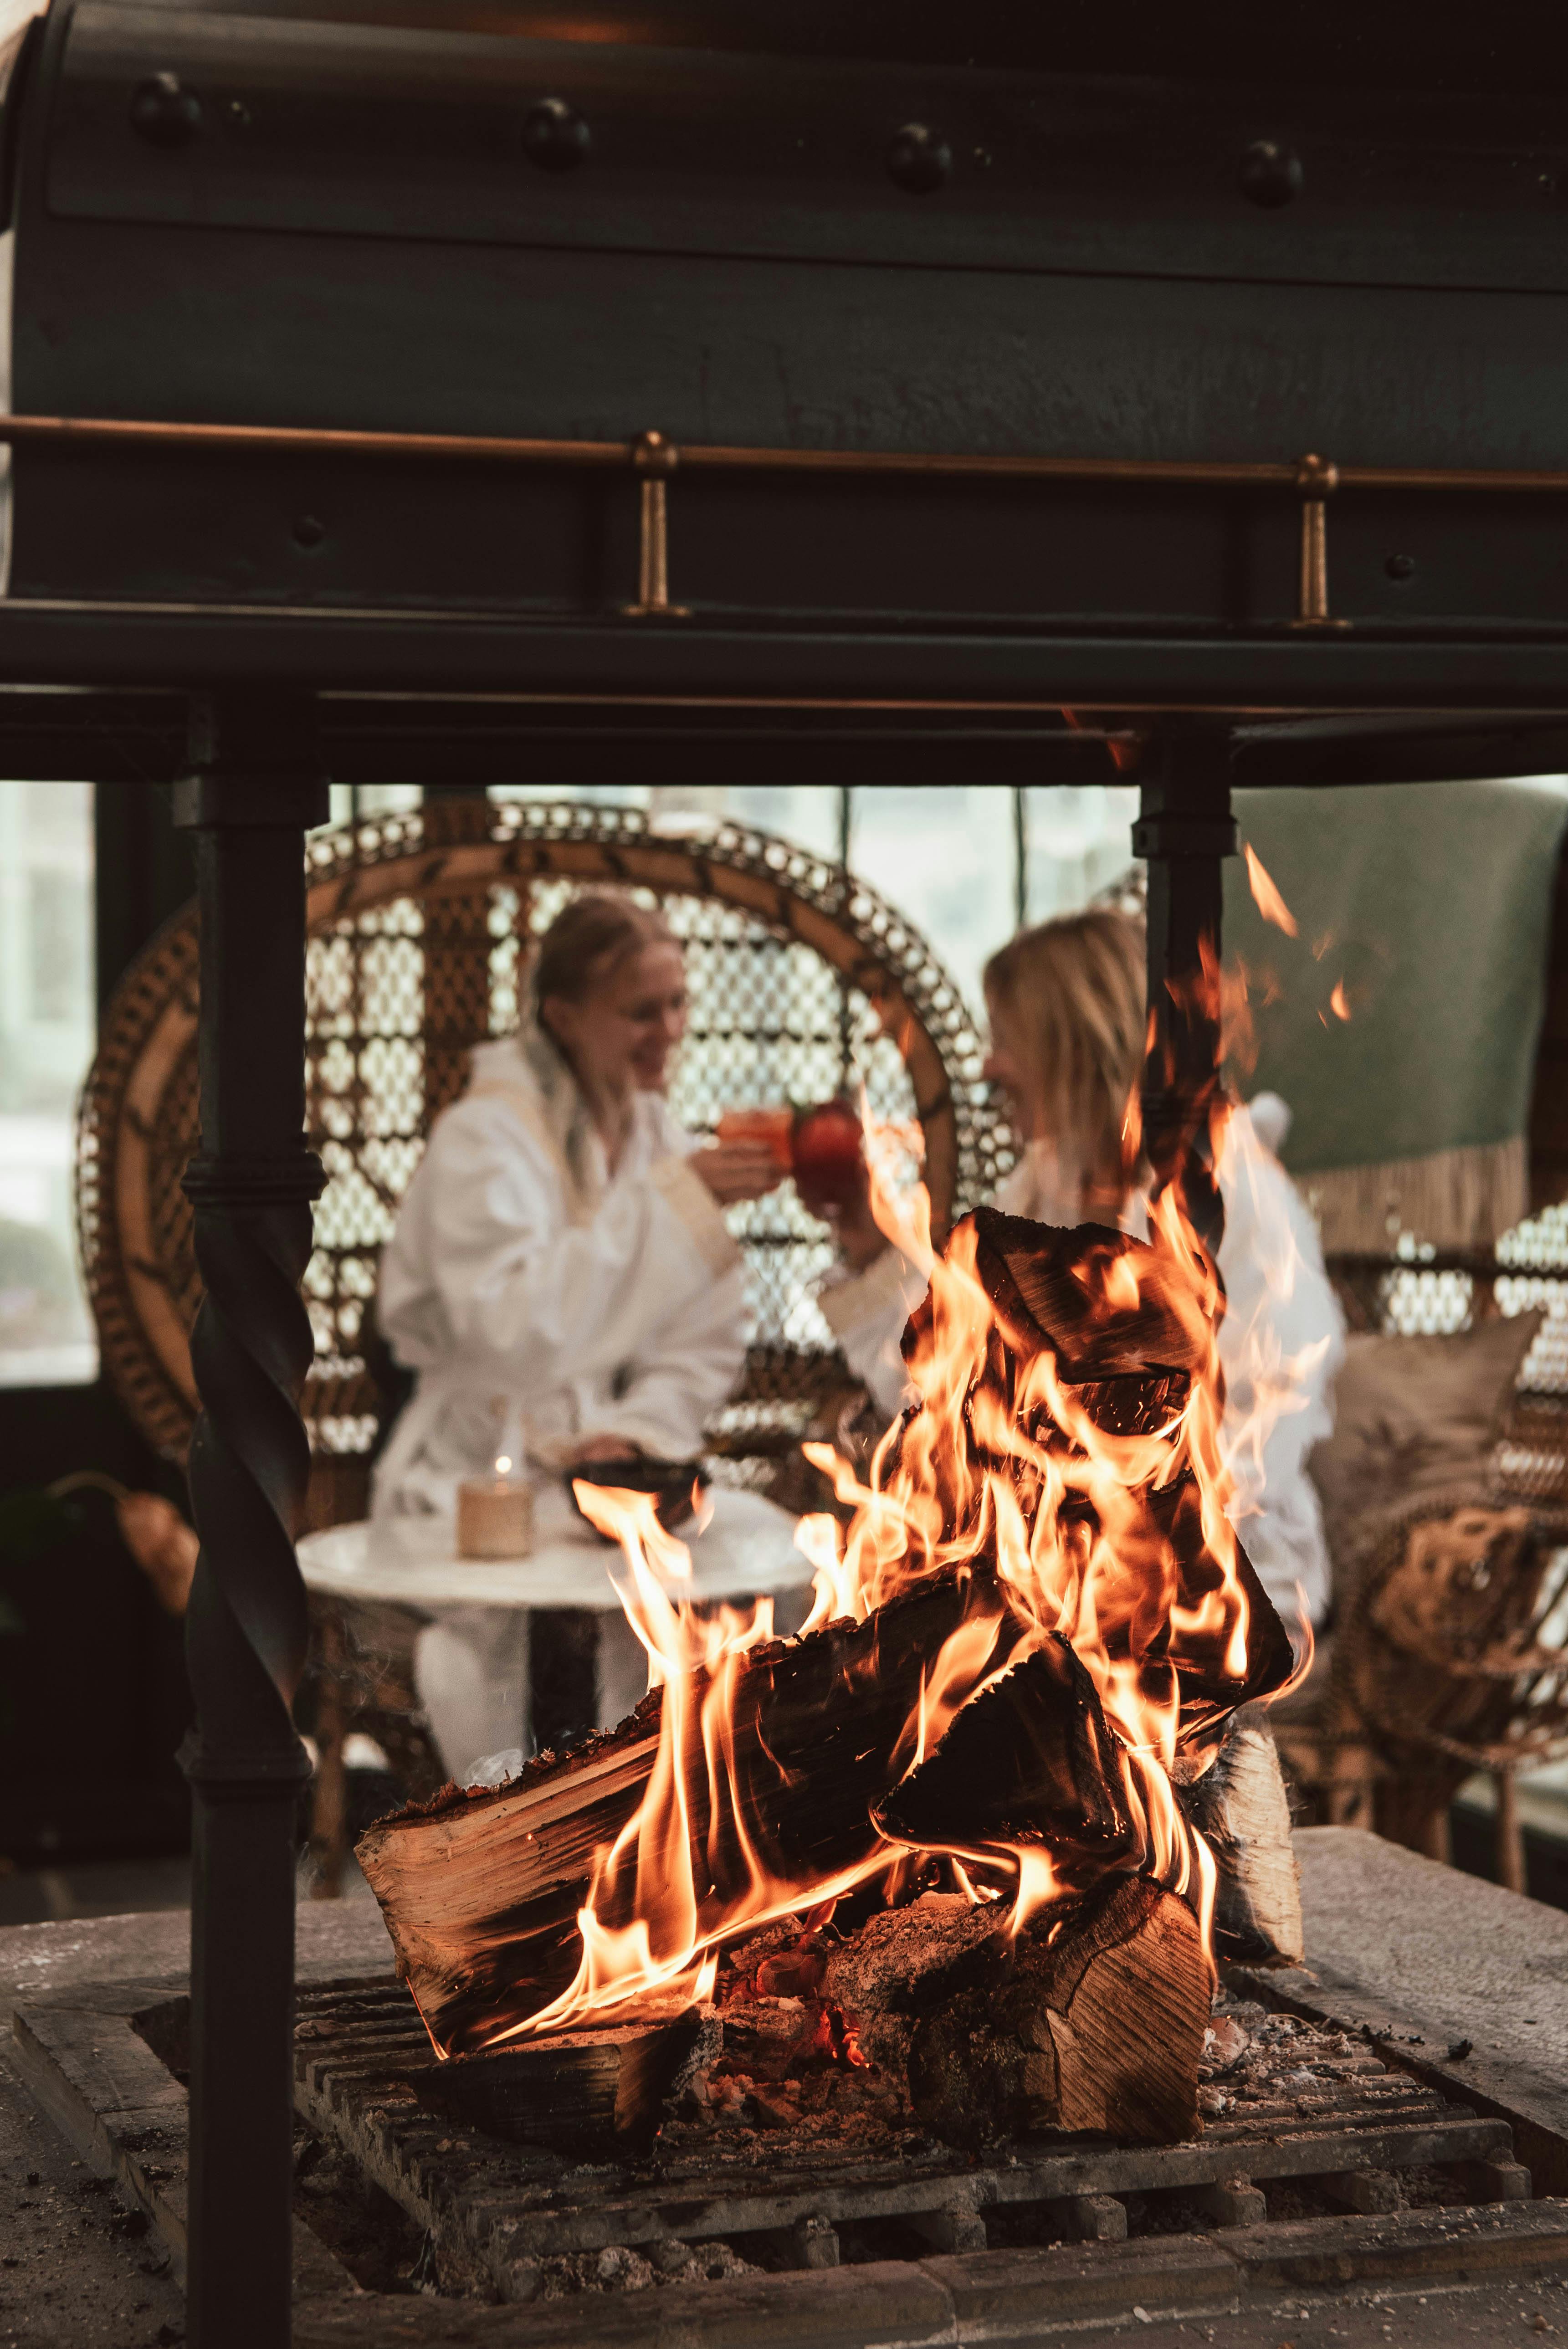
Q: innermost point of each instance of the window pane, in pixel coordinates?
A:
(46, 1036)
(804, 813)
(1079, 841)
(946, 859)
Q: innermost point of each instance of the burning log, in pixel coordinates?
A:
(1041, 1621)
(1241, 1809)
(1093, 2022)
(481, 1891)
(584, 2093)
(1030, 1760)
(1076, 1295)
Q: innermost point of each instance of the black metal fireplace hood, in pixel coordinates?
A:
(840, 355)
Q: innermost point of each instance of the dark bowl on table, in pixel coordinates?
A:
(672, 1483)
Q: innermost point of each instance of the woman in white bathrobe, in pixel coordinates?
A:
(560, 1264)
(1065, 1001)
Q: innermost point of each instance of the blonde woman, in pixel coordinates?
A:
(1067, 1007)
(562, 1249)
(562, 1244)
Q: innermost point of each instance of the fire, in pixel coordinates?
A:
(1265, 893)
(1077, 1492)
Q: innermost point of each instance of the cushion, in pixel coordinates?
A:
(1414, 1418)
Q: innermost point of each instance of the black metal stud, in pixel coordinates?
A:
(554, 136)
(253, 791)
(1270, 174)
(1400, 567)
(919, 158)
(164, 112)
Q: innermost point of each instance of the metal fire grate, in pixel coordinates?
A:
(1305, 2124)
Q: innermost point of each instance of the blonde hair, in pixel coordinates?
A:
(1071, 992)
(585, 944)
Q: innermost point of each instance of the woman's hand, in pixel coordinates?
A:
(860, 1238)
(602, 1447)
(733, 1170)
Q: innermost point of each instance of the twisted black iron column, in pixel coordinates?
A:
(1186, 831)
(253, 789)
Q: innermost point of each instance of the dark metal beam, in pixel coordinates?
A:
(906, 664)
(1186, 831)
(120, 735)
(253, 787)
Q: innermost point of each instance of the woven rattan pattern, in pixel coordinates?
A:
(801, 980)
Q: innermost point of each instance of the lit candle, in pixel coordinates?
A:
(495, 1514)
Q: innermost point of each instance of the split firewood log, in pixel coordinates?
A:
(1065, 1290)
(481, 1890)
(1241, 1808)
(1102, 1304)
(1029, 1760)
(586, 2093)
(935, 2016)
(1090, 2021)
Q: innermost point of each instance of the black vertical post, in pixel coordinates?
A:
(1186, 831)
(253, 789)
(846, 818)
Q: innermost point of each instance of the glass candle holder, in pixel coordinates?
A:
(495, 1518)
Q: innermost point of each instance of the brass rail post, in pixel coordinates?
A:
(1316, 479)
(656, 459)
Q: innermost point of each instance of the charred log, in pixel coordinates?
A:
(1091, 2023)
(480, 1893)
(1029, 1760)
(935, 2018)
(586, 2094)
(1060, 1291)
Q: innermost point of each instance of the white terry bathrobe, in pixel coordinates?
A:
(595, 1303)
(1282, 1322)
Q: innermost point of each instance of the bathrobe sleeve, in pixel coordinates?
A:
(1281, 1343)
(866, 1314)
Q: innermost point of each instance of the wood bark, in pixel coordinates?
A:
(587, 2093)
(480, 1891)
(1241, 1808)
(937, 2018)
(1029, 1760)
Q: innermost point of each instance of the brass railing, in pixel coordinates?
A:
(653, 459)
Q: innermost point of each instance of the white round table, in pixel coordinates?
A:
(746, 1549)
(471, 1659)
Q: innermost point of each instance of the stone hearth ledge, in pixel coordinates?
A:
(1420, 1955)
(1424, 1959)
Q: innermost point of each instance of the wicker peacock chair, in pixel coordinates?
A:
(800, 977)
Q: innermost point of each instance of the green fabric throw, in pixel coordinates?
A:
(1427, 907)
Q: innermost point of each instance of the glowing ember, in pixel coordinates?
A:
(1266, 896)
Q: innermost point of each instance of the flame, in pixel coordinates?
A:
(1049, 1515)
(1265, 894)
(1337, 1002)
